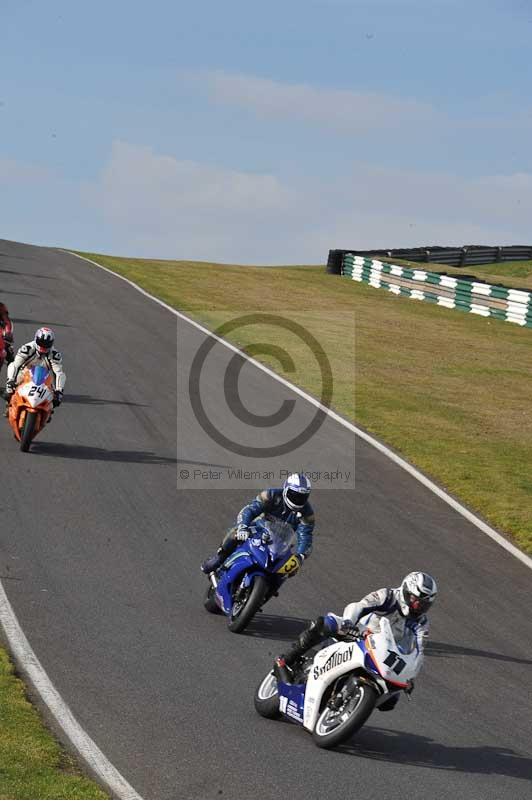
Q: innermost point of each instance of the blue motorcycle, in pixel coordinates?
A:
(253, 573)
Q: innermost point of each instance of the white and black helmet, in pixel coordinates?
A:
(296, 491)
(44, 340)
(417, 593)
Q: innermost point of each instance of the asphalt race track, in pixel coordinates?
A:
(100, 553)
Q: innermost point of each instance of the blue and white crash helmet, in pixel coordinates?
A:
(296, 491)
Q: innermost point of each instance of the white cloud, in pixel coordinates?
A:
(15, 172)
(152, 204)
(340, 109)
(350, 112)
(156, 205)
(184, 187)
(184, 208)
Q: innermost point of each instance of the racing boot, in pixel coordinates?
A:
(213, 563)
(229, 544)
(282, 666)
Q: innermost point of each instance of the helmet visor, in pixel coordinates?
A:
(418, 605)
(296, 498)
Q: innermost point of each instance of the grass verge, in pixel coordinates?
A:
(449, 390)
(32, 764)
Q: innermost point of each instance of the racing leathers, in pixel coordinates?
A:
(268, 503)
(7, 331)
(382, 603)
(29, 356)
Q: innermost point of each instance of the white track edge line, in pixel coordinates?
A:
(81, 741)
(415, 473)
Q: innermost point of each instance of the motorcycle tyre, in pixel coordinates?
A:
(267, 707)
(27, 432)
(255, 600)
(209, 603)
(352, 724)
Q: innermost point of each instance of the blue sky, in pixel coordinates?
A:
(265, 132)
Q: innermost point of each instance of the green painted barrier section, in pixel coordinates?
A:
(484, 299)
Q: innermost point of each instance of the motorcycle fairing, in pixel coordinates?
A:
(369, 664)
(394, 665)
(292, 700)
(36, 389)
(33, 396)
(329, 664)
(253, 559)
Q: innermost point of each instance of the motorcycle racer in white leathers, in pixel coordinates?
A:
(39, 352)
(405, 607)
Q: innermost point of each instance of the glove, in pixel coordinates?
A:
(10, 386)
(242, 533)
(58, 398)
(349, 628)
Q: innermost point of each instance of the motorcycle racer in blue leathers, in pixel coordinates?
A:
(290, 504)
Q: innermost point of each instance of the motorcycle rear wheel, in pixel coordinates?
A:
(267, 697)
(333, 727)
(27, 432)
(243, 611)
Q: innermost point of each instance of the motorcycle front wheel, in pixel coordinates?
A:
(335, 725)
(209, 603)
(246, 605)
(27, 432)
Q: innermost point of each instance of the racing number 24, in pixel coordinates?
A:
(40, 390)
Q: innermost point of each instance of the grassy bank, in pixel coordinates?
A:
(450, 391)
(32, 764)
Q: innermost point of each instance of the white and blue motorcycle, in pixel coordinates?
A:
(336, 689)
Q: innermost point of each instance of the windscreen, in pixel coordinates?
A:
(282, 535)
(39, 374)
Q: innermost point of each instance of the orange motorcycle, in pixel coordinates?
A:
(31, 405)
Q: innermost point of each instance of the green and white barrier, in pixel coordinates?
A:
(498, 302)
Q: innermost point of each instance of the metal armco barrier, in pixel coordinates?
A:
(468, 255)
(498, 302)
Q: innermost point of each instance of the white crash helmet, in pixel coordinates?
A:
(44, 340)
(296, 491)
(417, 593)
